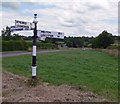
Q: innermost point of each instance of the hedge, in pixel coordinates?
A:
(13, 45)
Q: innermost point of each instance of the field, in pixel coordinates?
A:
(94, 71)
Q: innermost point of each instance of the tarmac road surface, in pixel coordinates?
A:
(25, 53)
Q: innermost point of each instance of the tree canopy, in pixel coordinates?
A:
(103, 40)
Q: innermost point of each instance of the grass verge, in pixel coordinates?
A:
(96, 70)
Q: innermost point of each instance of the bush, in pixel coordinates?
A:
(41, 45)
(14, 45)
(103, 40)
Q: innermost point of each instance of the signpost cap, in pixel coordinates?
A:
(35, 18)
(35, 15)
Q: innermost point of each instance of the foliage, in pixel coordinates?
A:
(78, 41)
(42, 45)
(53, 40)
(103, 40)
(17, 42)
(74, 42)
(6, 33)
(13, 45)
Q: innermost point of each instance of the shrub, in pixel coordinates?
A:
(14, 45)
(103, 40)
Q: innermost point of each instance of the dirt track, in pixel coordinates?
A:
(15, 89)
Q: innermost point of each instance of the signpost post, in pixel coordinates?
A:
(34, 48)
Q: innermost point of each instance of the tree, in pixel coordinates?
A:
(6, 33)
(74, 41)
(103, 40)
(16, 37)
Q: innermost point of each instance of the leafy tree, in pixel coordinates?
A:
(74, 41)
(16, 37)
(6, 33)
(103, 40)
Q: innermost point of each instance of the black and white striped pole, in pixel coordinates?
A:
(34, 48)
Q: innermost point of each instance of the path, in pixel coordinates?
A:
(8, 54)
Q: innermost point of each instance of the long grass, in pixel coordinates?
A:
(96, 70)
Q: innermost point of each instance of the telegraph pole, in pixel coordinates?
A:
(34, 47)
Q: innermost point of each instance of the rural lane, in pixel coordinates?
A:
(25, 53)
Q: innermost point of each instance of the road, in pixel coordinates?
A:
(25, 53)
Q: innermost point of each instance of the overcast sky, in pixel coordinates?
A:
(74, 18)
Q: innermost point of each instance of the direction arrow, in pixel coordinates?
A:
(42, 34)
(24, 25)
(14, 28)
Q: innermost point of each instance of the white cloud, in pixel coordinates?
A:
(79, 17)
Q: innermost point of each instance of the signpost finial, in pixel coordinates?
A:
(35, 18)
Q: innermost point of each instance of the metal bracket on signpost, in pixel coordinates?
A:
(34, 47)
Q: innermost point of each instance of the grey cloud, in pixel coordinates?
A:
(95, 7)
(68, 22)
(103, 4)
(32, 3)
(11, 5)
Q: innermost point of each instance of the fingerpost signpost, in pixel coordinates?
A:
(22, 25)
(40, 34)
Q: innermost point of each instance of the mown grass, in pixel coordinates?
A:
(95, 70)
